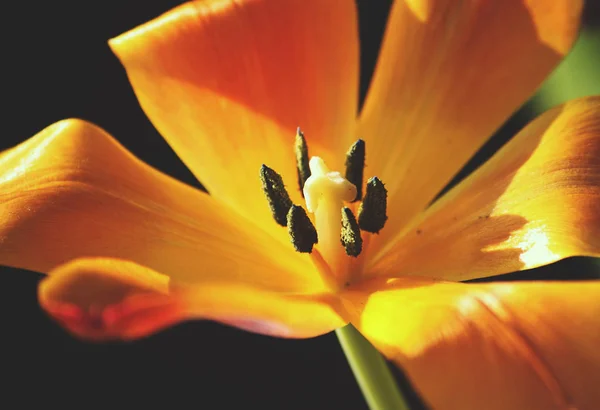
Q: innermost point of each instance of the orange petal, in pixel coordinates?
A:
(73, 191)
(100, 299)
(535, 202)
(450, 73)
(227, 83)
(488, 346)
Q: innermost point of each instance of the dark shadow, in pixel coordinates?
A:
(372, 22)
(574, 268)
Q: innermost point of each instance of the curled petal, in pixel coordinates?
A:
(535, 202)
(102, 299)
(521, 345)
(73, 191)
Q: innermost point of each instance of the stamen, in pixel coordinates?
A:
(355, 166)
(279, 200)
(301, 150)
(372, 211)
(350, 236)
(302, 232)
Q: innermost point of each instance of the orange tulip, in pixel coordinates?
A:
(129, 250)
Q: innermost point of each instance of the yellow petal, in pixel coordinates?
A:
(100, 299)
(535, 202)
(73, 191)
(521, 345)
(450, 73)
(228, 82)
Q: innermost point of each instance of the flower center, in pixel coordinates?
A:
(329, 196)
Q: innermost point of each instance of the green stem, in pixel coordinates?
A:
(371, 371)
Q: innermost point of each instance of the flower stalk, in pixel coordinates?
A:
(372, 373)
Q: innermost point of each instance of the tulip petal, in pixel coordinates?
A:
(102, 299)
(521, 345)
(228, 82)
(535, 202)
(73, 191)
(449, 74)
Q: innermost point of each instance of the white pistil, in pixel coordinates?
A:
(325, 192)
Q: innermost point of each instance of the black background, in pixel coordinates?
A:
(56, 64)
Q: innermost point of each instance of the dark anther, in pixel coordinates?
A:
(301, 150)
(350, 236)
(279, 200)
(371, 214)
(302, 232)
(355, 166)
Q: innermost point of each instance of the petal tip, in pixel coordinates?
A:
(103, 299)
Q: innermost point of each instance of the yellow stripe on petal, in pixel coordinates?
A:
(102, 299)
(450, 73)
(73, 191)
(497, 346)
(228, 82)
(536, 201)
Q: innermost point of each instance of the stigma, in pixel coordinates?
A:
(326, 186)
